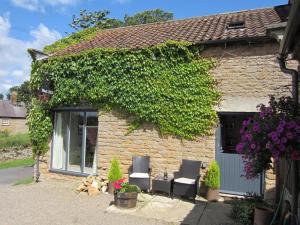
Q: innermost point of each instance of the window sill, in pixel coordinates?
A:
(71, 173)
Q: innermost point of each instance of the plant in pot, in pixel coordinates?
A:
(263, 214)
(125, 194)
(212, 182)
(114, 174)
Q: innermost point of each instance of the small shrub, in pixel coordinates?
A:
(243, 211)
(212, 179)
(130, 188)
(114, 173)
(14, 141)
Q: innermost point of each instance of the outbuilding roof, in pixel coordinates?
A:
(204, 29)
(9, 110)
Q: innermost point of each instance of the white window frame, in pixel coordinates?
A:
(5, 122)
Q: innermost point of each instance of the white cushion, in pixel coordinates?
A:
(184, 180)
(139, 175)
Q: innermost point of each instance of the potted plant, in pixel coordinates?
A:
(263, 214)
(114, 174)
(125, 194)
(212, 182)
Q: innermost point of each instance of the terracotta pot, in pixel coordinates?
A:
(111, 188)
(212, 194)
(126, 199)
(263, 215)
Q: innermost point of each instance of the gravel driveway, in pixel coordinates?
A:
(55, 203)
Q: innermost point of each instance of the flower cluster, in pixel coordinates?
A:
(270, 133)
(118, 184)
(122, 186)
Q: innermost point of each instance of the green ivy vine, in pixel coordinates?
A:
(40, 127)
(169, 85)
(72, 39)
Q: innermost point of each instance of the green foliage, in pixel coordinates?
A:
(14, 141)
(212, 179)
(72, 39)
(243, 211)
(17, 163)
(114, 172)
(24, 92)
(126, 187)
(168, 85)
(148, 16)
(40, 127)
(1, 96)
(94, 19)
(87, 24)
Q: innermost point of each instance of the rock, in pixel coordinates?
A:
(104, 189)
(93, 191)
(81, 188)
(95, 184)
(90, 179)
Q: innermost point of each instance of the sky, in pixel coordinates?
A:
(35, 23)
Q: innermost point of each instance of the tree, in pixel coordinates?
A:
(148, 16)
(1, 96)
(24, 93)
(100, 19)
(94, 19)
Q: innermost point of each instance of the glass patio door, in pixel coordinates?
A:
(75, 141)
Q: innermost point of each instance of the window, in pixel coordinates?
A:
(231, 125)
(236, 25)
(5, 122)
(74, 142)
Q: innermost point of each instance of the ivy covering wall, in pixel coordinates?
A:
(168, 85)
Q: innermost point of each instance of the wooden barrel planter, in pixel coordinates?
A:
(126, 199)
(263, 215)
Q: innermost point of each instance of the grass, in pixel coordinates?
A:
(26, 180)
(17, 163)
(20, 140)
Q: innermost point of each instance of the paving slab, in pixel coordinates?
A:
(216, 214)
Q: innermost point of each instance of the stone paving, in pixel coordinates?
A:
(54, 202)
(177, 211)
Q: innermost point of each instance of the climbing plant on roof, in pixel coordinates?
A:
(169, 85)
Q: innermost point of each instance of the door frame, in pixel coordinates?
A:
(218, 149)
(83, 148)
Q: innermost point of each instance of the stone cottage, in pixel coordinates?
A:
(245, 46)
(13, 115)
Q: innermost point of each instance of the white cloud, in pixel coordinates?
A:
(39, 5)
(31, 5)
(15, 61)
(61, 2)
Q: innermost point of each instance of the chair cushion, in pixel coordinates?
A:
(139, 175)
(184, 180)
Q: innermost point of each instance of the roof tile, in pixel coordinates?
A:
(195, 30)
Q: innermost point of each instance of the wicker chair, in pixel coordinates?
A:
(186, 180)
(140, 172)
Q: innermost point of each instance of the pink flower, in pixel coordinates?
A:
(239, 148)
(118, 183)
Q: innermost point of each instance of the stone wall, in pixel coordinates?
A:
(246, 76)
(15, 126)
(165, 152)
(14, 153)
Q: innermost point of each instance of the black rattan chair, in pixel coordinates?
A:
(186, 180)
(140, 172)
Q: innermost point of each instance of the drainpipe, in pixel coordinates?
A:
(295, 75)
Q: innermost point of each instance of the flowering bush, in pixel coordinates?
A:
(122, 186)
(273, 132)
